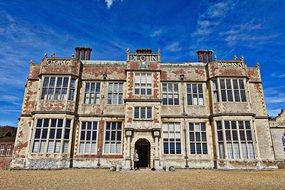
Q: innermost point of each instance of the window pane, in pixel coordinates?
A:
(60, 123)
(52, 133)
(66, 134)
(38, 133)
(44, 133)
(205, 149)
(149, 114)
(58, 134)
(221, 150)
(143, 113)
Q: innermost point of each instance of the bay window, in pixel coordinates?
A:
(52, 136)
(230, 90)
(58, 88)
(235, 138)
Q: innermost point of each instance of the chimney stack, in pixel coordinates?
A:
(83, 53)
(205, 56)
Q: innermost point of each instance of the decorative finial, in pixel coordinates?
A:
(158, 51)
(53, 55)
(46, 55)
(215, 57)
(128, 50)
(72, 55)
(31, 61)
(242, 57)
(235, 57)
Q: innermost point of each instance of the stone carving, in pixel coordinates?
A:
(230, 64)
(150, 58)
(58, 62)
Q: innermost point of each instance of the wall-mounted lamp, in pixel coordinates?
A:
(105, 76)
(182, 77)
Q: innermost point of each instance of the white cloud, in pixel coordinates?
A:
(217, 10)
(212, 17)
(246, 32)
(156, 33)
(173, 47)
(109, 3)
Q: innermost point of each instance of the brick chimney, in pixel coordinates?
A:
(83, 53)
(205, 56)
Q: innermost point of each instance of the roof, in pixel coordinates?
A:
(8, 131)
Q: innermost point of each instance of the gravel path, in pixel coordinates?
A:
(143, 179)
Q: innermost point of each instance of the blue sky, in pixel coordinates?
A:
(252, 28)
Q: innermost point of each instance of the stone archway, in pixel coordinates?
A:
(143, 149)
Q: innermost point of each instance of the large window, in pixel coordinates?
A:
(237, 136)
(58, 88)
(92, 93)
(2, 150)
(198, 138)
(88, 137)
(171, 138)
(170, 94)
(9, 150)
(113, 138)
(143, 83)
(52, 136)
(231, 90)
(115, 93)
(195, 94)
(143, 113)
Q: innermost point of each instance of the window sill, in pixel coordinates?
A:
(231, 102)
(142, 119)
(91, 104)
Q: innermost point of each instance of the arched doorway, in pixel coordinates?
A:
(143, 150)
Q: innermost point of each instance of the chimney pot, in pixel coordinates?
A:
(83, 53)
(205, 56)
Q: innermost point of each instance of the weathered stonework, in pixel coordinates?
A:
(140, 133)
(277, 129)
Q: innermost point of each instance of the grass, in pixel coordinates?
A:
(143, 179)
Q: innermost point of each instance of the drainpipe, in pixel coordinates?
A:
(184, 114)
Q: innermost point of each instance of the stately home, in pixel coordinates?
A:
(84, 113)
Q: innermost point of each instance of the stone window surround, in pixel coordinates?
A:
(146, 112)
(170, 92)
(67, 96)
(95, 95)
(62, 136)
(2, 150)
(119, 93)
(110, 141)
(9, 150)
(201, 142)
(217, 91)
(200, 95)
(91, 137)
(177, 140)
(148, 83)
(223, 142)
